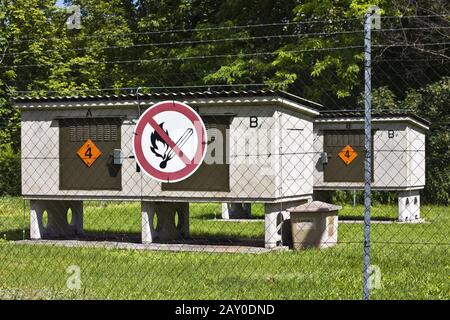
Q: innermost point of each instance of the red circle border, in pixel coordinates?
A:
(137, 143)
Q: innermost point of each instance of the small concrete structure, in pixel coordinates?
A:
(58, 220)
(409, 205)
(398, 156)
(172, 221)
(314, 224)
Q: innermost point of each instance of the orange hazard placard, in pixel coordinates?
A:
(348, 154)
(89, 152)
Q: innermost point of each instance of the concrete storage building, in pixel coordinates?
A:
(273, 153)
(398, 155)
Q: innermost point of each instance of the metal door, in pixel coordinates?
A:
(210, 176)
(337, 170)
(98, 174)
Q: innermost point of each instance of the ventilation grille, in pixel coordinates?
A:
(96, 129)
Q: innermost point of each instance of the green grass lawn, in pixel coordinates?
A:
(413, 259)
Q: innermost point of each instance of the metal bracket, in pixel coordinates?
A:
(324, 158)
(74, 20)
(375, 13)
(117, 157)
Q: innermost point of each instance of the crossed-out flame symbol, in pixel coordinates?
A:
(162, 150)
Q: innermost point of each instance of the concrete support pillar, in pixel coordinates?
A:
(164, 221)
(147, 216)
(77, 217)
(272, 222)
(58, 224)
(409, 205)
(277, 223)
(236, 210)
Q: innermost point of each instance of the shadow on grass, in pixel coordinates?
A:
(361, 218)
(197, 238)
(15, 234)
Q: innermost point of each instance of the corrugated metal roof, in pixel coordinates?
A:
(334, 114)
(172, 95)
(324, 114)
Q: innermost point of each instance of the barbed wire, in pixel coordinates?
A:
(249, 26)
(217, 56)
(209, 41)
(190, 42)
(161, 32)
(177, 58)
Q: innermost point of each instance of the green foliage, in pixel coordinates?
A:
(9, 125)
(383, 99)
(433, 103)
(294, 57)
(9, 171)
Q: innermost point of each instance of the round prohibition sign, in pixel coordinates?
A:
(169, 141)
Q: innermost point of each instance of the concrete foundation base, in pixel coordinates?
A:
(409, 206)
(163, 221)
(58, 223)
(408, 203)
(277, 223)
(236, 210)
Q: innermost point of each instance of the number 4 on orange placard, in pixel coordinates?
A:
(88, 153)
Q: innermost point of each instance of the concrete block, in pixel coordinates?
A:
(409, 206)
(277, 223)
(159, 221)
(58, 224)
(314, 225)
(314, 230)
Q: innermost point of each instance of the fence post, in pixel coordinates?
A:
(371, 16)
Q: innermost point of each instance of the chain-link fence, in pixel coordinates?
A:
(116, 203)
